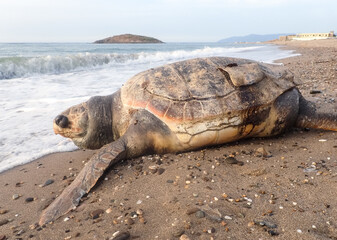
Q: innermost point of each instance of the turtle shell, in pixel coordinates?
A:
(205, 92)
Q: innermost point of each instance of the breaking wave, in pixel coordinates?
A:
(16, 67)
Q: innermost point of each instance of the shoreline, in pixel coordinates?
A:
(286, 190)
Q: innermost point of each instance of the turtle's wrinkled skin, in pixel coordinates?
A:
(180, 107)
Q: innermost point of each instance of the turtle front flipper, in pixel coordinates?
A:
(86, 179)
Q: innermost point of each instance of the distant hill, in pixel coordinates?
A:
(129, 38)
(254, 38)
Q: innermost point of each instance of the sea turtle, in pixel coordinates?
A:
(181, 107)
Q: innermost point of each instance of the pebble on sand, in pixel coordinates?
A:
(3, 211)
(120, 236)
(15, 196)
(48, 182)
(96, 213)
(29, 199)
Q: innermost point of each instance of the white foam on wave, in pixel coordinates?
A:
(16, 67)
(29, 104)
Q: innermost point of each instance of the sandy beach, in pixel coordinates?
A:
(272, 188)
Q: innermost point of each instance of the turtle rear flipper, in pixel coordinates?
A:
(309, 117)
(86, 179)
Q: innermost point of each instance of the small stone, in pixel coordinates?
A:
(109, 210)
(251, 224)
(273, 233)
(177, 232)
(265, 223)
(315, 91)
(33, 226)
(142, 220)
(160, 171)
(140, 212)
(257, 172)
(29, 199)
(48, 182)
(3, 222)
(15, 196)
(192, 210)
(184, 237)
(232, 160)
(139, 202)
(212, 230)
(2, 237)
(261, 152)
(153, 169)
(121, 236)
(3, 211)
(200, 214)
(96, 213)
(129, 221)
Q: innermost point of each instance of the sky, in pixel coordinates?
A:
(167, 20)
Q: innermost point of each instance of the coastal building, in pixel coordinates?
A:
(308, 36)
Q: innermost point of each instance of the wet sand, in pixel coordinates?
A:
(225, 192)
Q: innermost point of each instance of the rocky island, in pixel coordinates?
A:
(129, 38)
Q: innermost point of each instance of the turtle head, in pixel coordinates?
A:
(88, 125)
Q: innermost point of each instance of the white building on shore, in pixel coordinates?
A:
(308, 36)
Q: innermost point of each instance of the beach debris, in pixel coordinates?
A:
(15, 196)
(322, 140)
(120, 236)
(96, 213)
(48, 182)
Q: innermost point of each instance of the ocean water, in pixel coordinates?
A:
(40, 80)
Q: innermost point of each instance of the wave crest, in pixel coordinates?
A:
(15, 67)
